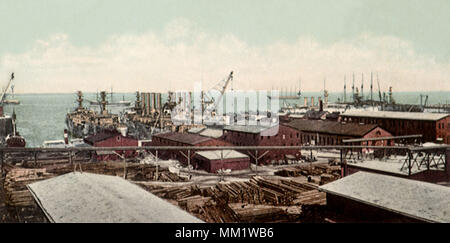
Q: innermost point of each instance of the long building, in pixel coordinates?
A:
(435, 127)
(319, 132)
(255, 135)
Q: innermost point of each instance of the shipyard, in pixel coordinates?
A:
(225, 119)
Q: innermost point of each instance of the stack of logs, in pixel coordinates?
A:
(326, 172)
(257, 200)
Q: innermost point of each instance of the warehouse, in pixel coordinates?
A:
(435, 127)
(214, 160)
(182, 139)
(111, 139)
(332, 133)
(369, 197)
(256, 135)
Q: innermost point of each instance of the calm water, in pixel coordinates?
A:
(41, 117)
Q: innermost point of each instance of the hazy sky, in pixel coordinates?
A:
(63, 46)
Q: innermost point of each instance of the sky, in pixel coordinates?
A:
(64, 45)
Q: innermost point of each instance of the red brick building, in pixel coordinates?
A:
(214, 160)
(253, 135)
(111, 139)
(434, 127)
(320, 132)
(182, 139)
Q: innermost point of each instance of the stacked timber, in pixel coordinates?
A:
(326, 172)
(260, 199)
(17, 196)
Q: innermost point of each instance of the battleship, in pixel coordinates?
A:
(83, 122)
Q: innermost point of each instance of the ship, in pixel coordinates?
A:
(9, 136)
(83, 122)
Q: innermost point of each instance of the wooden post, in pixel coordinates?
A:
(70, 156)
(409, 162)
(156, 161)
(189, 163)
(2, 158)
(35, 159)
(256, 161)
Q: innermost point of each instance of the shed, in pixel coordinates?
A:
(214, 160)
(92, 198)
(373, 197)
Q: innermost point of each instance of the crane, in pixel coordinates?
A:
(2, 99)
(221, 87)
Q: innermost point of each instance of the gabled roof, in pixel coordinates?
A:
(186, 138)
(92, 198)
(332, 127)
(217, 154)
(420, 200)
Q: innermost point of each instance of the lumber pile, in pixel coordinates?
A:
(260, 199)
(326, 172)
(17, 197)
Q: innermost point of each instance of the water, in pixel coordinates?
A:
(41, 117)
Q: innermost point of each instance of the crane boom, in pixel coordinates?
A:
(7, 87)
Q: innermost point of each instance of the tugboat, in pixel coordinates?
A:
(14, 139)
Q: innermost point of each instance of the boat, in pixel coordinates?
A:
(83, 122)
(9, 136)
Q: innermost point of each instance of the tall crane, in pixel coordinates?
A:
(211, 103)
(2, 99)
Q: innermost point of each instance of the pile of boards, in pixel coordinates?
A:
(326, 173)
(18, 200)
(259, 199)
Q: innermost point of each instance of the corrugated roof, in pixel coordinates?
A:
(416, 199)
(396, 115)
(93, 198)
(332, 127)
(216, 154)
(186, 138)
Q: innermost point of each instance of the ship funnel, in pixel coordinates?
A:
(66, 136)
(123, 130)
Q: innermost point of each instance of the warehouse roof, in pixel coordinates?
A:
(186, 138)
(85, 197)
(332, 127)
(207, 132)
(420, 200)
(216, 154)
(255, 129)
(397, 115)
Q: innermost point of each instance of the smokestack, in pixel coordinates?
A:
(312, 101)
(306, 102)
(123, 130)
(321, 105)
(66, 136)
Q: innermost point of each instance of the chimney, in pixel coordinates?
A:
(66, 137)
(306, 102)
(321, 105)
(312, 101)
